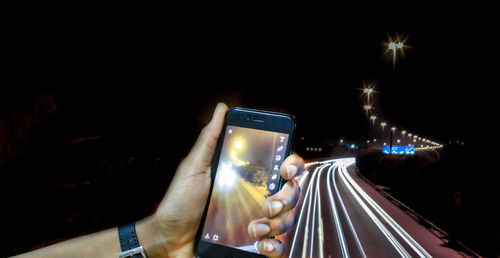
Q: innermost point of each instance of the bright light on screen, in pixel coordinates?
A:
(227, 177)
(247, 172)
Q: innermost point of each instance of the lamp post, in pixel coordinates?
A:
(394, 46)
(367, 108)
(368, 91)
(383, 124)
(393, 129)
(372, 117)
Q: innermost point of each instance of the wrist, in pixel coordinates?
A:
(150, 237)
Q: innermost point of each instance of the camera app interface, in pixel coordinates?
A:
(248, 172)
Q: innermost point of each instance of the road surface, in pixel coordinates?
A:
(341, 215)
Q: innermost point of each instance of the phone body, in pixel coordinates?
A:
(251, 147)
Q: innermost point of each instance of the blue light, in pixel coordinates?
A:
(399, 150)
(410, 149)
(353, 146)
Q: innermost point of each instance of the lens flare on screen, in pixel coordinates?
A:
(238, 144)
(226, 178)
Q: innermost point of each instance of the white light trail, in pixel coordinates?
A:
(306, 196)
(358, 243)
(306, 234)
(401, 232)
(316, 200)
(377, 222)
(313, 232)
(340, 233)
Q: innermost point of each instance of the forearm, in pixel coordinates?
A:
(105, 243)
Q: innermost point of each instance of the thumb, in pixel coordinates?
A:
(203, 150)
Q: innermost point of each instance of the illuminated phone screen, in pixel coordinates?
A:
(248, 172)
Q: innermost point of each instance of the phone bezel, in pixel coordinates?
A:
(248, 118)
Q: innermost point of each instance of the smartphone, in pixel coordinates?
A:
(251, 148)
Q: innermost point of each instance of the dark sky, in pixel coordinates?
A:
(169, 76)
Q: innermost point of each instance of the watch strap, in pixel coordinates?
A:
(128, 242)
(128, 238)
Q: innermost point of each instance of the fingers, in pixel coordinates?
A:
(268, 227)
(271, 247)
(292, 166)
(282, 201)
(203, 150)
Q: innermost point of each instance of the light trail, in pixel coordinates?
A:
(402, 233)
(316, 195)
(397, 246)
(300, 216)
(325, 225)
(346, 214)
(340, 233)
(306, 234)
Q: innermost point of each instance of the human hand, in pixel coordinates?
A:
(278, 208)
(178, 216)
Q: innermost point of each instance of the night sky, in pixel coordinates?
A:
(172, 75)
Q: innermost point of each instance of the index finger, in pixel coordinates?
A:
(292, 166)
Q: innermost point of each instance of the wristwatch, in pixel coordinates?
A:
(128, 242)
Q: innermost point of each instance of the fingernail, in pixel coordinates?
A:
(217, 109)
(260, 230)
(268, 247)
(291, 170)
(274, 207)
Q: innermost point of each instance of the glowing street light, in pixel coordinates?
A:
(394, 46)
(367, 108)
(393, 128)
(403, 132)
(383, 124)
(368, 90)
(238, 145)
(373, 119)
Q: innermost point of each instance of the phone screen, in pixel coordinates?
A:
(247, 172)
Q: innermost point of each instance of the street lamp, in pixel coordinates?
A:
(393, 129)
(368, 90)
(373, 119)
(367, 107)
(383, 124)
(394, 46)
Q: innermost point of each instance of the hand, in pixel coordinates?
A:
(280, 216)
(178, 216)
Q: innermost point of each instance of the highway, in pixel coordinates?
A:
(341, 215)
